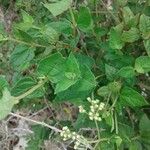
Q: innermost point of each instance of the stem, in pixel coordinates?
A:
(26, 43)
(113, 122)
(116, 123)
(29, 91)
(112, 106)
(73, 21)
(37, 122)
(98, 134)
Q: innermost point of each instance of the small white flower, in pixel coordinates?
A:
(64, 139)
(89, 99)
(102, 104)
(75, 147)
(97, 114)
(81, 109)
(65, 128)
(100, 108)
(99, 119)
(74, 135)
(91, 118)
(77, 143)
(90, 114)
(78, 136)
(95, 106)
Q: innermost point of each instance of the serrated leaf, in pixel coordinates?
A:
(110, 72)
(115, 42)
(144, 129)
(27, 22)
(144, 123)
(36, 141)
(144, 26)
(63, 26)
(50, 34)
(51, 66)
(3, 84)
(103, 91)
(147, 46)
(71, 74)
(85, 60)
(127, 15)
(121, 2)
(62, 72)
(81, 89)
(58, 7)
(131, 36)
(84, 20)
(135, 145)
(130, 97)
(6, 103)
(23, 85)
(126, 72)
(21, 57)
(26, 17)
(142, 64)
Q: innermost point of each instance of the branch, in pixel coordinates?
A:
(36, 122)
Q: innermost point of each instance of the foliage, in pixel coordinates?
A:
(66, 51)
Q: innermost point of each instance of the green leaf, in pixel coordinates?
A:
(84, 20)
(81, 89)
(58, 7)
(110, 72)
(62, 27)
(132, 98)
(51, 66)
(27, 22)
(144, 26)
(126, 72)
(115, 42)
(85, 60)
(121, 2)
(23, 85)
(6, 103)
(127, 14)
(26, 17)
(131, 36)
(50, 34)
(144, 129)
(63, 73)
(144, 123)
(21, 57)
(147, 46)
(3, 84)
(71, 74)
(135, 145)
(142, 64)
(36, 141)
(103, 91)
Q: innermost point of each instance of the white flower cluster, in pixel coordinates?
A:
(79, 141)
(66, 133)
(95, 108)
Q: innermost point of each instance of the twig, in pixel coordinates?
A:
(36, 122)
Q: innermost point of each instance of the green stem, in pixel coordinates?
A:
(26, 43)
(30, 91)
(116, 123)
(73, 21)
(98, 134)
